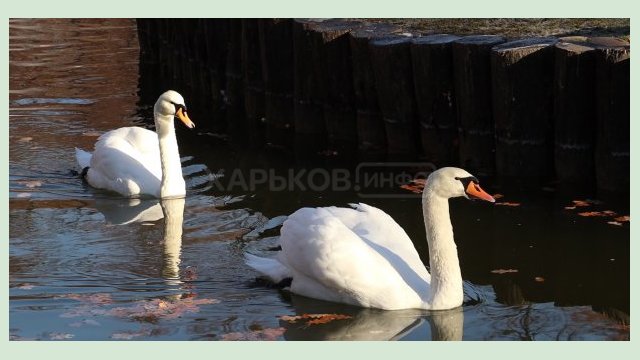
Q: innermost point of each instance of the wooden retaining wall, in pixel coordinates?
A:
(535, 109)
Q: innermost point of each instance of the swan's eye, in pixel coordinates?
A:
(466, 180)
(180, 106)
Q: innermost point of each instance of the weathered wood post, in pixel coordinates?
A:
(522, 73)
(309, 87)
(234, 97)
(196, 66)
(276, 49)
(217, 42)
(338, 99)
(472, 77)
(253, 81)
(612, 94)
(372, 138)
(393, 73)
(149, 38)
(432, 59)
(575, 113)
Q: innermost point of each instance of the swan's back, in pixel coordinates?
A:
(127, 160)
(358, 256)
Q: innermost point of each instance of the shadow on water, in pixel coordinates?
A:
(88, 265)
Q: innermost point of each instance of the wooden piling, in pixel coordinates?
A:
(309, 86)
(216, 42)
(472, 80)
(574, 113)
(234, 93)
(276, 54)
(391, 60)
(526, 109)
(432, 60)
(522, 78)
(613, 119)
(372, 138)
(253, 82)
(338, 99)
(149, 67)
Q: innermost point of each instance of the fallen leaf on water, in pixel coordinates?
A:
(581, 203)
(155, 309)
(597, 213)
(269, 334)
(412, 188)
(327, 319)
(144, 310)
(508, 204)
(624, 218)
(590, 213)
(614, 223)
(314, 319)
(498, 196)
(569, 207)
(415, 185)
(538, 279)
(503, 271)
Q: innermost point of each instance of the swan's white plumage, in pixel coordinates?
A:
(270, 267)
(357, 256)
(131, 160)
(83, 158)
(361, 256)
(127, 161)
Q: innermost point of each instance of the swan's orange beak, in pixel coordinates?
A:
(475, 191)
(182, 115)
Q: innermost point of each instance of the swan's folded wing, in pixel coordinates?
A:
(377, 227)
(127, 161)
(336, 264)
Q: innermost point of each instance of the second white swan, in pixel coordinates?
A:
(362, 257)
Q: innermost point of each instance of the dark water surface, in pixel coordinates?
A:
(87, 265)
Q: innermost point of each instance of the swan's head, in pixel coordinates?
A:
(171, 103)
(449, 182)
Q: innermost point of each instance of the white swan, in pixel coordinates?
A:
(135, 161)
(362, 257)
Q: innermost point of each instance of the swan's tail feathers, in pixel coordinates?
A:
(83, 157)
(271, 268)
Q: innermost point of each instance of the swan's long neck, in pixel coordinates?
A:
(446, 279)
(172, 181)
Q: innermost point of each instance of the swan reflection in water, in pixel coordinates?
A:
(374, 324)
(173, 210)
(129, 211)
